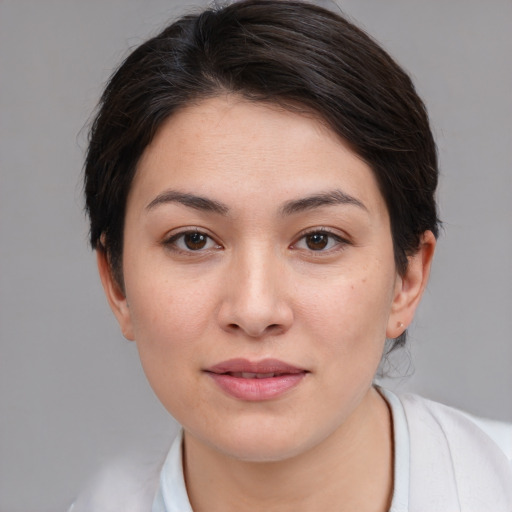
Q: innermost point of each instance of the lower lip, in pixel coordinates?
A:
(255, 390)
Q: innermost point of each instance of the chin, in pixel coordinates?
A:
(263, 443)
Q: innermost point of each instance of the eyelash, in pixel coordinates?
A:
(171, 242)
(337, 242)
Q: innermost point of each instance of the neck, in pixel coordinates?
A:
(350, 470)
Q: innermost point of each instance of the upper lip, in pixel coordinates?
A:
(245, 366)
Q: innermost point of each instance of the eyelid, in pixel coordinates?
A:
(170, 239)
(342, 240)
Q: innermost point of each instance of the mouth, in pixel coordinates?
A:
(256, 381)
(250, 375)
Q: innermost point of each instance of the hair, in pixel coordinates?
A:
(291, 53)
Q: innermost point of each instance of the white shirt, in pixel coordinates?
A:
(444, 461)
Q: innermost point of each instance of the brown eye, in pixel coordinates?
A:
(317, 241)
(320, 241)
(195, 241)
(190, 241)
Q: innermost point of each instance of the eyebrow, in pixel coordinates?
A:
(333, 197)
(190, 200)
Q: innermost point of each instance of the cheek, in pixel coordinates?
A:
(169, 328)
(347, 324)
(163, 300)
(350, 314)
(169, 318)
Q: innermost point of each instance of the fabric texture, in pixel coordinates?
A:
(455, 466)
(445, 461)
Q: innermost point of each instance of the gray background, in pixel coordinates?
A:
(72, 394)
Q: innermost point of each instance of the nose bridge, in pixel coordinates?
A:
(256, 300)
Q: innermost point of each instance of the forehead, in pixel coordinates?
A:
(234, 148)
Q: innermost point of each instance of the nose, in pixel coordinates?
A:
(256, 300)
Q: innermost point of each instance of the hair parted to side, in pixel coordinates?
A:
(295, 54)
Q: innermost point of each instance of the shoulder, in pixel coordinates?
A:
(455, 456)
(452, 421)
(128, 484)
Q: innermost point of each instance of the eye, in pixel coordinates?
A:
(191, 241)
(320, 240)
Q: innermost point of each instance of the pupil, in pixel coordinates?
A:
(317, 241)
(195, 241)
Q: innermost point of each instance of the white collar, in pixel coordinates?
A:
(172, 493)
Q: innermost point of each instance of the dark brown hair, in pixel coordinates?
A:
(296, 54)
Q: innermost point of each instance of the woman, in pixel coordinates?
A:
(260, 182)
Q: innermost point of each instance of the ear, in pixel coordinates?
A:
(409, 287)
(115, 295)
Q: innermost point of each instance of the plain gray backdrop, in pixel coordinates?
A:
(72, 393)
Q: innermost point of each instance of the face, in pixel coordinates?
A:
(259, 275)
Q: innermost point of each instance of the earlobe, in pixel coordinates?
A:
(115, 296)
(409, 288)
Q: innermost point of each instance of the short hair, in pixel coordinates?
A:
(298, 55)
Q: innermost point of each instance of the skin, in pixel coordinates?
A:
(259, 288)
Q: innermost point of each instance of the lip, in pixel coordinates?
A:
(259, 386)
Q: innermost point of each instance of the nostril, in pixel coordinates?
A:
(274, 329)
